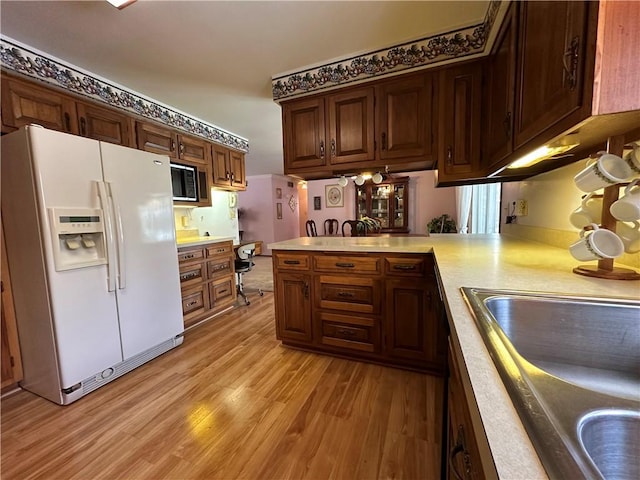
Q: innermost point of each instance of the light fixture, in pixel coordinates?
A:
(376, 178)
(342, 181)
(546, 151)
(120, 4)
(359, 180)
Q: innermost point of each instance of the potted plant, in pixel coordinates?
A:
(442, 224)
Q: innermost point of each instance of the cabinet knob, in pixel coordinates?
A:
(333, 148)
(322, 149)
(172, 148)
(570, 64)
(181, 149)
(67, 121)
(449, 155)
(305, 289)
(83, 127)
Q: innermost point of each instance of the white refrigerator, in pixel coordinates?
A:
(90, 237)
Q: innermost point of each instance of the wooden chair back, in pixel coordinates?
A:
(358, 228)
(310, 226)
(331, 226)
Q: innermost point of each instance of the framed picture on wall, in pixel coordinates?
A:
(279, 211)
(316, 203)
(334, 196)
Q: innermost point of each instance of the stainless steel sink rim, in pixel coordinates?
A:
(551, 418)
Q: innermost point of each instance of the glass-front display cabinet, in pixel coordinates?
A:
(387, 202)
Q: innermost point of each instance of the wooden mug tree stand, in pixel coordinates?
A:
(605, 267)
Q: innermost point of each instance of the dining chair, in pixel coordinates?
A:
(358, 228)
(331, 226)
(310, 226)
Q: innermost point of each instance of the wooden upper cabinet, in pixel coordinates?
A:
(194, 149)
(351, 133)
(460, 115)
(552, 56)
(155, 139)
(105, 125)
(499, 94)
(405, 118)
(304, 134)
(238, 177)
(228, 168)
(24, 104)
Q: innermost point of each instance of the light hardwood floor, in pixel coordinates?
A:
(231, 402)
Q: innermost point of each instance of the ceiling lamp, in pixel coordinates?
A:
(359, 180)
(377, 178)
(546, 151)
(342, 181)
(120, 4)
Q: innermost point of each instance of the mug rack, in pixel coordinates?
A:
(605, 267)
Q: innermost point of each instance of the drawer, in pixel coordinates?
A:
(219, 267)
(353, 294)
(350, 332)
(291, 261)
(220, 291)
(193, 302)
(191, 274)
(225, 248)
(347, 263)
(413, 266)
(189, 256)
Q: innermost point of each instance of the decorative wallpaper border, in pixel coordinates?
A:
(419, 53)
(25, 61)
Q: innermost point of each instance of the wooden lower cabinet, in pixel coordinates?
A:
(462, 454)
(207, 280)
(373, 307)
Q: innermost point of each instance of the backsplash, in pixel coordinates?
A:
(218, 220)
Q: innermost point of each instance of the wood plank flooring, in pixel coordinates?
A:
(232, 403)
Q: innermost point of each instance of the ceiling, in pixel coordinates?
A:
(214, 59)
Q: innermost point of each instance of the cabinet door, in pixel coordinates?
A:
(236, 164)
(105, 125)
(194, 149)
(460, 109)
(293, 307)
(304, 134)
(221, 167)
(23, 104)
(152, 138)
(551, 61)
(410, 328)
(499, 95)
(351, 119)
(405, 118)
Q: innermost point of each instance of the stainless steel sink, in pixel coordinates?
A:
(572, 368)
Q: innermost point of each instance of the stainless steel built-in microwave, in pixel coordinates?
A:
(184, 180)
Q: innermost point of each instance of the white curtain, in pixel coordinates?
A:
(485, 208)
(463, 207)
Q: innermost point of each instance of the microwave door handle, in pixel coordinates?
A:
(110, 241)
(119, 240)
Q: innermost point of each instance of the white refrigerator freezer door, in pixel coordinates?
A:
(85, 319)
(150, 304)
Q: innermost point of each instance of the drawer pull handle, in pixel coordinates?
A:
(191, 304)
(345, 294)
(292, 262)
(223, 291)
(345, 332)
(404, 267)
(344, 265)
(187, 257)
(188, 276)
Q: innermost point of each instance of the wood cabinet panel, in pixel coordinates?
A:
(293, 307)
(105, 125)
(194, 149)
(155, 139)
(552, 51)
(347, 263)
(347, 293)
(460, 116)
(351, 134)
(291, 261)
(405, 118)
(24, 103)
(304, 134)
(237, 167)
(228, 168)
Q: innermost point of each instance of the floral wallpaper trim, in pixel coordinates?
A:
(23, 60)
(419, 53)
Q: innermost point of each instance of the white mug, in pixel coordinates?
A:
(589, 211)
(627, 208)
(597, 244)
(633, 159)
(630, 236)
(606, 171)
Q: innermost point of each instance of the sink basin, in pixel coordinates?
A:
(611, 439)
(572, 368)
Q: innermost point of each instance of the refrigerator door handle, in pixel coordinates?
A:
(108, 222)
(122, 284)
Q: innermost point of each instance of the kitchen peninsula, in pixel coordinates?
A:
(488, 261)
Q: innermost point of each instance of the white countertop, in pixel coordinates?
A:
(195, 241)
(487, 261)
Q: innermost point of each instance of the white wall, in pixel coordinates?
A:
(219, 220)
